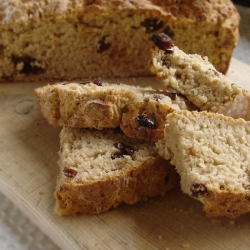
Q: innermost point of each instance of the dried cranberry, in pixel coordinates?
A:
(197, 189)
(69, 172)
(172, 96)
(116, 155)
(28, 68)
(124, 149)
(164, 42)
(102, 45)
(97, 82)
(152, 25)
(144, 121)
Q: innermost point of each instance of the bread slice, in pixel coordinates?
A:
(140, 112)
(211, 154)
(101, 169)
(197, 79)
(66, 40)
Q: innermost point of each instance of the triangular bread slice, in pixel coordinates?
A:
(99, 169)
(211, 154)
(196, 78)
(140, 112)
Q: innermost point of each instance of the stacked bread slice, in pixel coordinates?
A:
(199, 121)
(211, 154)
(99, 169)
(107, 150)
(139, 112)
(210, 149)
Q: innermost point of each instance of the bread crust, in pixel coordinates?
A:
(197, 79)
(228, 204)
(112, 181)
(109, 106)
(81, 39)
(145, 180)
(210, 152)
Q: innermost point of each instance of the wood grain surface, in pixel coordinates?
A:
(28, 170)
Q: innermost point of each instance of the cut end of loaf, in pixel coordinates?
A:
(211, 154)
(66, 40)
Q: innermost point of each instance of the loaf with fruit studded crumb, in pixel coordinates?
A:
(197, 79)
(211, 154)
(65, 40)
(140, 112)
(101, 169)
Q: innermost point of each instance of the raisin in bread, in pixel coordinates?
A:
(101, 169)
(211, 154)
(63, 39)
(197, 79)
(140, 112)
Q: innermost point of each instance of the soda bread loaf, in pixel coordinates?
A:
(197, 79)
(65, 39)
(211, 154)
(140, 112)
(101, 169)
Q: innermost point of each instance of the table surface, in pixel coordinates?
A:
(18, 232)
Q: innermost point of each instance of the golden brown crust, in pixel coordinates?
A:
(157, 112)
(109, 106)
(154, 177)
(198, 10)
(197, 79)
(227, 204)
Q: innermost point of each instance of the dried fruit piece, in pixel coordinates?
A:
(152, 25)
(102, 45)
(144, 121)
(97, 82)
(28, 66)
(69, 172)
(198, 188)
(124, 150)
(164, 42)
(117, 155)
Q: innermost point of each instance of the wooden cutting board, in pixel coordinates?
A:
(28, 170)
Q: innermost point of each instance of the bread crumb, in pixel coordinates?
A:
(232, 223)
(41, 193)
(160, 237)
(186, 245)
(214, 221)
